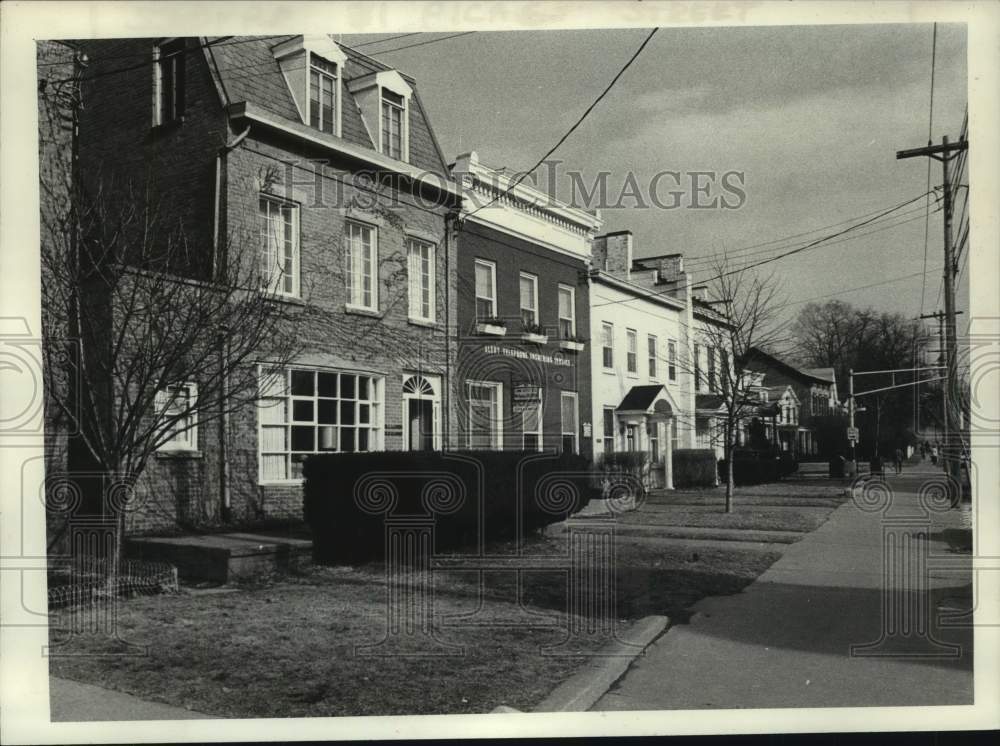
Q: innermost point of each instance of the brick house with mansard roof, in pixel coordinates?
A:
(237, 136)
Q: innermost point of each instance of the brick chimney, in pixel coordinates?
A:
(700, 292)
(671, 268)
(613, 253)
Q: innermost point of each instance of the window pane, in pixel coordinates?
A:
(273, 439)
(272, 411)
(302, 382)
(484, 281)
(565, 303)
(303, 438)
(527, 293)
(314, 99)
(347, 412)
(327, 384)
(347, 439)
(363, 387)
(302, 411)
(347, 386)
(327, 414)
(363, 439)
(273, 467)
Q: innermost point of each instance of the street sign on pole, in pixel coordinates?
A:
(852, 434)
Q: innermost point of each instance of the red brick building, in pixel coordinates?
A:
(323, 161)
(523, 362)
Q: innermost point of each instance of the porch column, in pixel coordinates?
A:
(668, 454)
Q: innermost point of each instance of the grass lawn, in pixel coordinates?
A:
(286, 648)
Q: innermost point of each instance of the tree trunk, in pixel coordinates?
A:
(730, 483)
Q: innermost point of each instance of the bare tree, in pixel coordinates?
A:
(164, 335)
(746, 305)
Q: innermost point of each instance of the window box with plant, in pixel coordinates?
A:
(534, 333)
(491, 326)
(572, 342)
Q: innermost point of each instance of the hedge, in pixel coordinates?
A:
(348, 497)
(757, 467)
(694, 467)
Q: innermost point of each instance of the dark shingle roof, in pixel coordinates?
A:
(639, 398)
(249, 72)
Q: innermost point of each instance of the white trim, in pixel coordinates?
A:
(435, 382)
(355, 296)
(283, 392)
(572, 308)
(256, 114)
(654, 356)
(493, 286)
(605, 325)
(533, 278)
(296, 248)
(414, 272)
(188, 442)
(633, 336)
(496, 436)
(576, 419)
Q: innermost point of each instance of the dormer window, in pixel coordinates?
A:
(313, 66)
(384, 100)
(393, 111)
(322, 94)
(168, 81)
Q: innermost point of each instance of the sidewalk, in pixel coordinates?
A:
(73, 702)
(786, 640)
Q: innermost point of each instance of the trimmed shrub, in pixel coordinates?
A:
(350, 497)
(752, 467)
(626, 470)
(694, 467)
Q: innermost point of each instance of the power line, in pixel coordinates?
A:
(421, 43)
(883, 226)
(797, 250)
(930, 135)
(708, 259)
(573, 128)
(856, 288)
(388, 38)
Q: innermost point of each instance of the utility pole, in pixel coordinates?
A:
(942, 350)
(850, 415)
(944, 153)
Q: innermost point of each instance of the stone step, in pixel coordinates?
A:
(695, 532)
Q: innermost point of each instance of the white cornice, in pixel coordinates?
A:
(639, 292)
(257, 115)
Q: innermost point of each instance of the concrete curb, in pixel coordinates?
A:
(582, 690)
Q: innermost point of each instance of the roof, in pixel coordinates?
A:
(826, 374)
(248, 72)
(709, 401)
(639, 398)
(808, 375)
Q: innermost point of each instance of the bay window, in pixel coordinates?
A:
(305, 411)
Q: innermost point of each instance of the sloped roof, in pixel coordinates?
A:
(826, 374)
(639, 398)
(248, 71)
(755, 353)
(709, 401)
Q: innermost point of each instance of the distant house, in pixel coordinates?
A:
(803, 395)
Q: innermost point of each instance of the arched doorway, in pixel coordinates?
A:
(421, 413)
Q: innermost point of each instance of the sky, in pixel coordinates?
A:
(812, 116)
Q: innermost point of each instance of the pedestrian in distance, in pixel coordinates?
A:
(897, 460)
(934, 453)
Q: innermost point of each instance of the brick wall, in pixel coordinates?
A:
(512, 256)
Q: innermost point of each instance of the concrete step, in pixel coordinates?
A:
(222, 558)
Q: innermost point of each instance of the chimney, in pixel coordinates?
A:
(700, 292)
(613, 253)
(671, 268)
